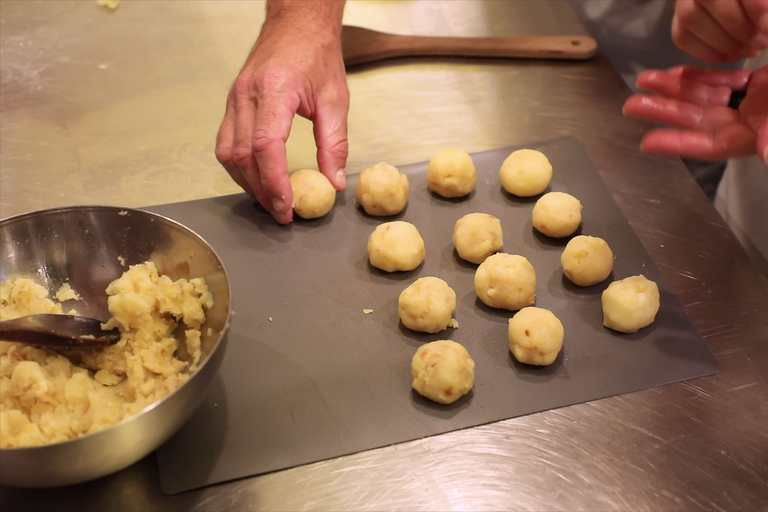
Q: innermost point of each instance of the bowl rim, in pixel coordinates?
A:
(224, 331)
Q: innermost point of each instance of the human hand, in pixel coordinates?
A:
(295, 67)
(695, 102)
(721, 30)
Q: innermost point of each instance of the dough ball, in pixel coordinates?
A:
(630, 304)
(557, 214)
(396, 246)
(476, 236)
(506, 281)
(525, 173)
(382, 190)
(535, 336)
(451, 173)
(587, 260)
(442, 371)
(427, 305)
(313, 194)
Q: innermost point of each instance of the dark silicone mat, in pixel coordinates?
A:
(308, 376)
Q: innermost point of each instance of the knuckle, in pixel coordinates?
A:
(223, 154)
(262, 139)
(242, 156)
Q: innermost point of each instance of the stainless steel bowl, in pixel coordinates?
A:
(88, 247)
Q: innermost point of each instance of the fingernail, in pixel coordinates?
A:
(278, 203)
(341, 178)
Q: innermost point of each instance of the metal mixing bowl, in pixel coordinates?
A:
(88, 247)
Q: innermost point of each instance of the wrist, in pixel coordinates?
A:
(317, 19)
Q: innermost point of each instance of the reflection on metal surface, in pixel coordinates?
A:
(91, 112)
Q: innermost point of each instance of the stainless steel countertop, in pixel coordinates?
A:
(122, 107)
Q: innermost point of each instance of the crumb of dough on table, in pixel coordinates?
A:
(111, 5)
(367, 311)
(45, 398)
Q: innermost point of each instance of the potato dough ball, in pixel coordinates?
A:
(557, 214)
(313, 194)
(630, 304)
(506, 281)
(535, 336)
(427, 305)
(476, 236)
(587, 260)
(382, 190)
(396, 246)
(442, 371)
(525, 173)
(451, 173)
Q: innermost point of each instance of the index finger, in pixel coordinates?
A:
(272, 125)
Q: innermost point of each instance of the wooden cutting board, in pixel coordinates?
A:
(361, 45)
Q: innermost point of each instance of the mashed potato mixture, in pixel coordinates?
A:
(45, 398)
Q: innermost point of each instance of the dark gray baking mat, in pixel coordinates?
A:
(308, 376)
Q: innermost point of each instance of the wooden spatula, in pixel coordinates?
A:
(361, 45)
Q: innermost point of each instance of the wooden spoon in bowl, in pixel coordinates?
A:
(361, 45)
(58, 331)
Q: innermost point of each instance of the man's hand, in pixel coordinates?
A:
(721, 30)
(295, 67)
(695, 102)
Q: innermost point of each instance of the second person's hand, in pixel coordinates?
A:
(295, 67)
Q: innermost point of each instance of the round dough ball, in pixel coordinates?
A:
(451, 173)
(535, 336)
(396, 246)
(587, 260)
(506, 281)
(525, 173)
(630, 304)
(476, 236)
(313, 194)
(557, 214)
(382, 190)
(442, 371)
(427, 305)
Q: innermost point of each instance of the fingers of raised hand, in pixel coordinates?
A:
(729, 141)
(677, 87)
(679, 114)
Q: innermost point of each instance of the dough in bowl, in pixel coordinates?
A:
(630, 304)
(451, 173)
(382, 190)
(313, 194)
(506, 281)
(525, 173)
(587, 260)
(535, 336)
(442, 371)
(427, 305)
(476, 236)
(557, 214)
(396, 246)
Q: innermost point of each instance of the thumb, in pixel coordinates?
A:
(330, 129)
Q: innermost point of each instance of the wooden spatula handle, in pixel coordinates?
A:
(363, 45)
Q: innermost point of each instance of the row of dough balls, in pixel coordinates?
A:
(382, 190)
